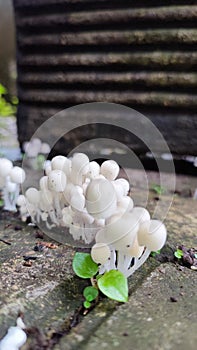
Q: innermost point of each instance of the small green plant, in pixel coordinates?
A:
(90, 293)
(113, 283)
(153, 254)
(158, 189)
(178, 253)
(7, 108)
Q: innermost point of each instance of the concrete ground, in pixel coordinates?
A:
(161, 313)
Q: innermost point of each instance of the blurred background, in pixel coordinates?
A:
(139, 54)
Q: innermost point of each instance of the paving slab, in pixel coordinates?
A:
(161, 310)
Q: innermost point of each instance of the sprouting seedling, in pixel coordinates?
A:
(153, 254)
(90, 294)
(112, 283)
(178, 253)
(158, 189)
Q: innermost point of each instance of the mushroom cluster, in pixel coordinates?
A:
(78, 194)
(127, 241)
(11, 177)
(95, 207)
(33, 149)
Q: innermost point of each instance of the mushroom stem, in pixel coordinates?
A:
(138, 263)
(121, 260)
(10, 197)
(57, 206)
(112, 260)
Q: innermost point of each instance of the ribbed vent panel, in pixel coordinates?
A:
(138, 53)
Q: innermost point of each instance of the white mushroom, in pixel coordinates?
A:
(110, 169)
(5, 167)
(17, 175)
(120, 233)
(58, 163)
(101, 199)
(57, 181)
(152, 234)
(43, 183)
(100, 253)
(141, 214)
(47, 167)
(94, 170)
(45, 148)
(80, 167)
(33, 195)
(124, 184)
(15, 337)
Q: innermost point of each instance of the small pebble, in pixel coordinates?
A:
(173, 299)
(27, 263)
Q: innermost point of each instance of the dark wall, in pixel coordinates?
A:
(138, 53)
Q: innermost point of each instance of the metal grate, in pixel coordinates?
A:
(138, 53)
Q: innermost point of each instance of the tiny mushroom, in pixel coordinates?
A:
(100, 253)
(101, 199)
(110, 169)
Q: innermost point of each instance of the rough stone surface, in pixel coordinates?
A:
(49, 294)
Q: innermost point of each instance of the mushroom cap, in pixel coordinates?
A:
(58, 162)
(141, 214)
(100, 198)
(110, 169)
(33, 147)
(77, 201)
(17, 175)
(68, 192)
(125, 203)
(21, 200)
(94, 170)
(118, 189)
(120, 233)
(100, 253)
(43, 183)
(152, 234)
(47, 167)
(45, 148)
(124, 184)
(5, 167)
(33, 195)
(57, 181)
(79, 167)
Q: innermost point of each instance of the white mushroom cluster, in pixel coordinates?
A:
(33, 149)
(127, 240)
(11, 177)
(95, 207)
(77, 194)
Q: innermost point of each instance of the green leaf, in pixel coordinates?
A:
(84, 266)
(114, 285)
(158, 189)
(178, 254)
(153, 254)
(3, 90)
(1, 202)
(90, 293)
(86, 304)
